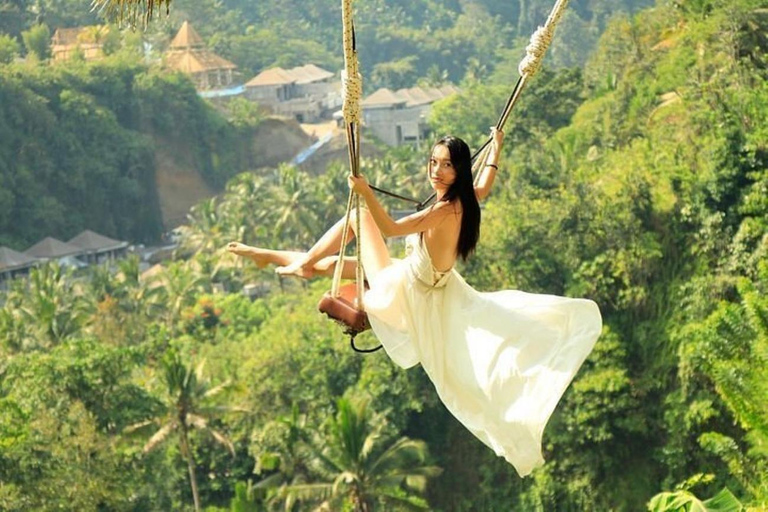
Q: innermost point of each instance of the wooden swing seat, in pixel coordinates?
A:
(343, 309)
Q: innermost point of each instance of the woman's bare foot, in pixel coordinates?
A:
(300, 268)
(253, 253)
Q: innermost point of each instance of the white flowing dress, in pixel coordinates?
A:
(499, 361)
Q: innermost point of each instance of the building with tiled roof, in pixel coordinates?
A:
(398, 117)
(189, 55)
(300, 75)
(89, 41)
(14, 264)
(383, 98)
(98, 248)
(269, 77)
(305, 93)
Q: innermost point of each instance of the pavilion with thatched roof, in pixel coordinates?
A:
(89, 41)
(189, 55)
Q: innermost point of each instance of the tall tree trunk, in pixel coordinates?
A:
(190, 465)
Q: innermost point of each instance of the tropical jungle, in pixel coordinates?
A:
(634, 173)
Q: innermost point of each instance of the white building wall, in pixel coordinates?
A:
(397, 126)
(269, 94)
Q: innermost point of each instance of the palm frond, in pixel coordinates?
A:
(397, 454)
(322, 461)
(369, 445)
(402, 502)
(270, 482)
(159, 436)
(311, 492)
(342, 479)
(218, 436)
(198, 422)
(217, 389)
(130, 429)
(130, 10)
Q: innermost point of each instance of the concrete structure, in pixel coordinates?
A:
(89, 41)
(14, 264)
(188, 54)
(98, 248)
(306, 93)
(400, 117)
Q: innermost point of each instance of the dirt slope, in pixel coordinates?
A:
(180, 186)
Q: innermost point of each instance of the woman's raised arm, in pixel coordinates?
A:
(488, 173)
(414, 223)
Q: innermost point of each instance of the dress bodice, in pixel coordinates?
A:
(420, 263)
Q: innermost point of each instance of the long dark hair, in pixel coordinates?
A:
(463, 188)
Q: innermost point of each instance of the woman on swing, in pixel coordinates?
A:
(499, 361)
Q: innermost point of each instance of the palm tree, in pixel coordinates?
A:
(299, 216)
(204, 231)
(358, 464)
(130, 10)
(186, 407)
(53, 304)
(124, 304)
(177, 287)
(245, 213)
(13, 325)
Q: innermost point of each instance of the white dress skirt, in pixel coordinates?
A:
(499, 361)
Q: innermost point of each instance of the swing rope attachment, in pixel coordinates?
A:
(344, 304)
(528, 67)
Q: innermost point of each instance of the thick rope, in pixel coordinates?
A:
(336, 283)
(352, 81)
(352, 92)
(540, 41)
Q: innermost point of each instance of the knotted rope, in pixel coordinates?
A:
(540, 41)
(352, 81)
(352, 91)
(534, 54)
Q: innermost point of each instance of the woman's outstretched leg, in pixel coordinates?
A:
(303, 264)
(263, 257)
(319, 259)
(375, 252)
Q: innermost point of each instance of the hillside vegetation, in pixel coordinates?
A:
(639, 181)
(79, 147)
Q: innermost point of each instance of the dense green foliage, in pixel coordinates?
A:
(639, 181)
(400, 41)
(93, 130)
(79, 147)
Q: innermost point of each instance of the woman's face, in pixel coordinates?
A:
(442, 174)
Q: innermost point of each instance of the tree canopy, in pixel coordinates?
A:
(638, 181)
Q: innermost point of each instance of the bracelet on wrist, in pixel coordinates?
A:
(492, 165)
